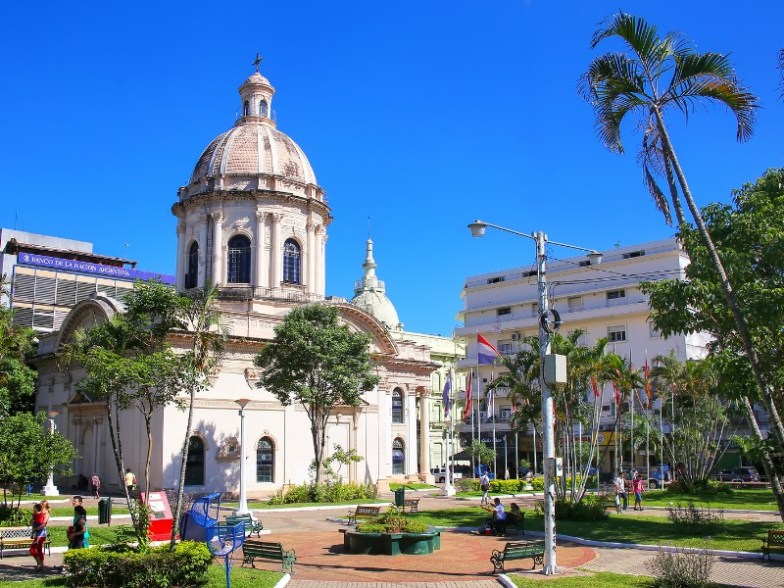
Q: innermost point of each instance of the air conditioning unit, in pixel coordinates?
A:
(515, 336)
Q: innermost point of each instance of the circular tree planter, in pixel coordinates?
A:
(391, 543)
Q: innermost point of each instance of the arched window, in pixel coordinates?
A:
(265, 460)
(192, 277)
(194, 467)
(239, 260)
(245, 108)
(398, 457)
(263, 108)
(291, 262)
(397, 405)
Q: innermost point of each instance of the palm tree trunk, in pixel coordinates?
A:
(767, 462)
(740, 321)
(676, 201)
(183, 463)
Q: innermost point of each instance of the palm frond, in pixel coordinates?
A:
(640, 36)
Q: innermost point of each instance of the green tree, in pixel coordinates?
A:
(749, 233)
(481, 453)
(654, 75)
(17, 379)
(129, 364)
(28, 452)
(319, 362)
(202, 320)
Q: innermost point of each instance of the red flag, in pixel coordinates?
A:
(648, 386)
(467, 410)
(617, 394)
(595, 386)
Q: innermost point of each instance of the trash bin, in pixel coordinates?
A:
(400, 497)
(105, 511)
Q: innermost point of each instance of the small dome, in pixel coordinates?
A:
(254, 155)
(370, 296)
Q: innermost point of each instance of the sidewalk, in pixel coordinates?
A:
(462, 562)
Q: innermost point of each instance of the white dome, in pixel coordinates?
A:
(370, 296)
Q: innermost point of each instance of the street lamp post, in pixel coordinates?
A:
(477, 229)
(449, 489)
(242, 507)
(50, 489)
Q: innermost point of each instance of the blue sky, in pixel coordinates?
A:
(419, 116)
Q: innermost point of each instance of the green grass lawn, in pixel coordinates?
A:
(263, 505)
(604, 579)
(645, 528)
(412, 486)
(744, 499)
(216, 578)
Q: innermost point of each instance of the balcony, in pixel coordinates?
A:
(290, 294)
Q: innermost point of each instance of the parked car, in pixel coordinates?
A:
(739, 474)
(659, 478)
(440, 475)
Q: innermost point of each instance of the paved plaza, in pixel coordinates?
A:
(462, 562)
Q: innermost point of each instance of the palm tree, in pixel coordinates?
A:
(625, 381)
(652, 76)
(202, 320)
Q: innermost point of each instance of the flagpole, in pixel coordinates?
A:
(449, 489)
(495, 451)
(648, 425)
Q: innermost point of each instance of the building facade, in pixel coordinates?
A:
(252, 220)
(603, 301)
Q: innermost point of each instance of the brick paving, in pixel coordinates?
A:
(462, 562)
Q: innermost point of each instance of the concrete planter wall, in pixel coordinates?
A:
(391, 543)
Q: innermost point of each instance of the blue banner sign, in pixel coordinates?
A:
(87, 267)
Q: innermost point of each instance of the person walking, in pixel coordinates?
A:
(621, 501)
(638, 487)
(40, 519)
(130, 482)
(95, 485)
(484, 486)
(78, 534)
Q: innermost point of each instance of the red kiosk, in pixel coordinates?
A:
(161, 520)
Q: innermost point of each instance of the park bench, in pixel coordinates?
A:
(253, 549)
(517, 550)
(363, 512)
(251, 525)
(775, 541)
(19, 538)
(412, 504)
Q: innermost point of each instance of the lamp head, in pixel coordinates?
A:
(477, 228)
(595, 257)
(52, 413)
(242, 402)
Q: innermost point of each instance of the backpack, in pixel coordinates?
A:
(484, 483)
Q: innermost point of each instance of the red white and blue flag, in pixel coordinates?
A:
(486, 354)
(467, 410)
(447, 389)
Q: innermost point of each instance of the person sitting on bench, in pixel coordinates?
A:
(499, 516)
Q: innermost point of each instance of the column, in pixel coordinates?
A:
(321, 266)
(180, 277)
(276, 259)
(259, 278)
(217, 247)
(310, 258)
(202, 263)
(424, 442)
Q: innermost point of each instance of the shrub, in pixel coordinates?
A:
(326, 492)
(392, 521)
(691, 517)
(590, 508)
(681, 569)
(158, 567)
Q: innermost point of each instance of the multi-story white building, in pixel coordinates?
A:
(601, 300)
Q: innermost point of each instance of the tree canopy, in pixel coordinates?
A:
(319, 362)
(17, 379)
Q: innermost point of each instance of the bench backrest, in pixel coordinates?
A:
(264, 549)
(238, 518)
(368, 510)
(524, 548)
(775, 537)
(15, 532)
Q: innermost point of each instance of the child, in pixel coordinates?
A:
(638, 487)
(40, 518)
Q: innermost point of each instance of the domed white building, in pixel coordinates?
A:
(253, 220)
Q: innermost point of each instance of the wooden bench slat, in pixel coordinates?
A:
(363, 512)
(251, 525)
(517, 550)
(775, 541)
(268, 550)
